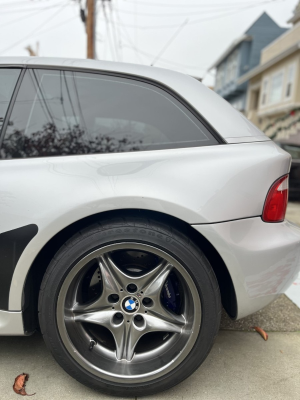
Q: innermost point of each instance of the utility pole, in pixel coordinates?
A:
(90, 28)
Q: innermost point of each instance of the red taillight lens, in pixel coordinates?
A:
(276, 201)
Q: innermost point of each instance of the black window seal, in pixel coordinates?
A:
(12, 101)
(150, 81)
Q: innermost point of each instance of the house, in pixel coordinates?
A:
(273, 101)
(242, 56)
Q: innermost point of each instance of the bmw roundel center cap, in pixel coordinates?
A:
(130, 304)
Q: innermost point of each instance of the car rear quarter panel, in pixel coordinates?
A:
(263, 258)
(202, 185)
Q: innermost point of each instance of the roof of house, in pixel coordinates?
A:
(245, 37)
(233, 45)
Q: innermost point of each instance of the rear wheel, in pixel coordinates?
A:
(130, 307)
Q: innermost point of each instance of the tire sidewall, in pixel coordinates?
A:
(155, 234)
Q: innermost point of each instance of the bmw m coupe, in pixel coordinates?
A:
(134, 204)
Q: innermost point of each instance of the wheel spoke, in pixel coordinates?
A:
(126, 338)
(162, 313)
(115, 296)
(152, 283)
(113, 280)
(102, 318)
(155, 324)
(113, 277)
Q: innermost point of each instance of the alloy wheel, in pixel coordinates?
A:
(128, 312)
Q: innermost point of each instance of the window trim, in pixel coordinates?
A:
(133, 77)
(278, 72)
(267, 80)
(12, 101)
(286, 82)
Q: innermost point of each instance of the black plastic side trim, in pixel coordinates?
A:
(12, 245)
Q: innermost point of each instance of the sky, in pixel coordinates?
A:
(183, 35)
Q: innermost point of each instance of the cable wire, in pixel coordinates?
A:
(28, 16)
(169, 42)
(107, 22)
(32, 32)
(172, 5)
(192, 22)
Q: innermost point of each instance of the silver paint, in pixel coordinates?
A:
(263, 258)
(204, 187)
(11, 323)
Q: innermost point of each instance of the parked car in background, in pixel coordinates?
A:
(294, 176)
(134, 201)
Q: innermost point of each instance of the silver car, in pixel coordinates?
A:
(134, 203)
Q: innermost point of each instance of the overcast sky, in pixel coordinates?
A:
(136, 30)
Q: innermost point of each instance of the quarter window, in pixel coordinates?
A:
(8, 80)
(65, 112)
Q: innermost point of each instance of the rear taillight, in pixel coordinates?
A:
(276, 201)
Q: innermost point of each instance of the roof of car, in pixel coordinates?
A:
(229, 123)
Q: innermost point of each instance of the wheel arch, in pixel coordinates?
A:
(38, 267)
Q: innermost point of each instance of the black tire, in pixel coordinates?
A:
(143, 230)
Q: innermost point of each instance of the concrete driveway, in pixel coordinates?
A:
(241, 364)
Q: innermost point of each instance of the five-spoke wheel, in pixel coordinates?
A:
(130, 308)
(120, 288)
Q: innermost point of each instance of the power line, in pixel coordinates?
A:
(58, 25)
(172, 5)
(119, 38)
(107, 21)
(169, 42)
(114, 32)
(32, 32)
(163, 59)
(192, 22)
(128, 36)
(187, 13)
(28, 16)
(16, 3)
(30, 9)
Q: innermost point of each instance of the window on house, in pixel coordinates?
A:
(234, 62)
(276, 88)
(220, 76)
(264, 96)
(289, 82)
(218, 79)
(228, 69)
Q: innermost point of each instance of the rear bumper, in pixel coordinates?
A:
(263, 259)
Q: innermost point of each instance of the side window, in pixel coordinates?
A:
(8, 80)
(65, 112)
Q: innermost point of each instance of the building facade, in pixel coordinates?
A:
(242, 56)
(273, 99)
